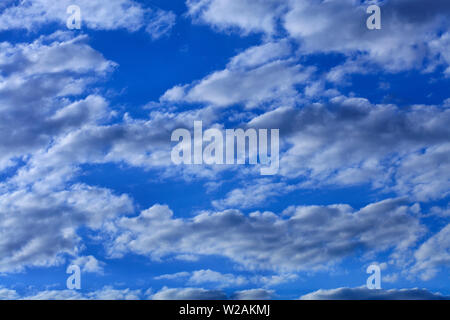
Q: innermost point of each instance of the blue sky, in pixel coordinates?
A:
(86, 175)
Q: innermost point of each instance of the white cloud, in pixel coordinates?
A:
(205, 294)
(188, 294)
(40, 213)
(106, 293)
(89, 264)
(253, 294)
(252, 194)
(309, 238)
(410, 36)
(259, 75)
(40, 80)
(161, 24)
(433, 255)
(95, 14)
(244, 15)
(222, 280)
(366, 294)
(8, 294)
(38, 227)
(173, 276)
(350, 141)
(275, 280)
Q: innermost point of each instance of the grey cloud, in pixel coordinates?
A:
(252, 194)
(246, 16)
(34, 104)
(188, 294)
(366, 294)
(95, 14)
(309, 238)
(433, 254)
(8, 294)
(253, 294)
(222, 280)
(205, 294)
(106, 293)
(408, 27)
(273, 82)
(351, 141)
(38, 227)
(260, 75)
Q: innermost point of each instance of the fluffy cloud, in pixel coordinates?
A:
(308, 238)
(252, 194)
(206, 277)
(204, 294)
(106, 293)
(366, 294)
(89, 264)
(350, 141)
(188, 294)
(52, 121)
(209, 276)
(8, 294)
(222, 280)
(39, 80)
(263, 73)
(38, 227)
(116, 14)
(41, 87)
(244, 15)
(410, 29)
(433, 255)
(253, 294)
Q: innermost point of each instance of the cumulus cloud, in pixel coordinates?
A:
(210, 276)
(246, 16)
(260, 75)
(38, 227)
(253, 294)
(308, 238)
(8, 294)
(188, 294)
(366, 294)
(410, 29)
(106, 293)
(205, 294)
(433, 255)
(116, 14)
(222, 280)
(89, 264)
(252, 194)
(111, 293)
(143, 143)
(350, 141)
(339, 141)
(206, 277)
(43, 98)
(40, 80)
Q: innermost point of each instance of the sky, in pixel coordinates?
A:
(87, 176)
